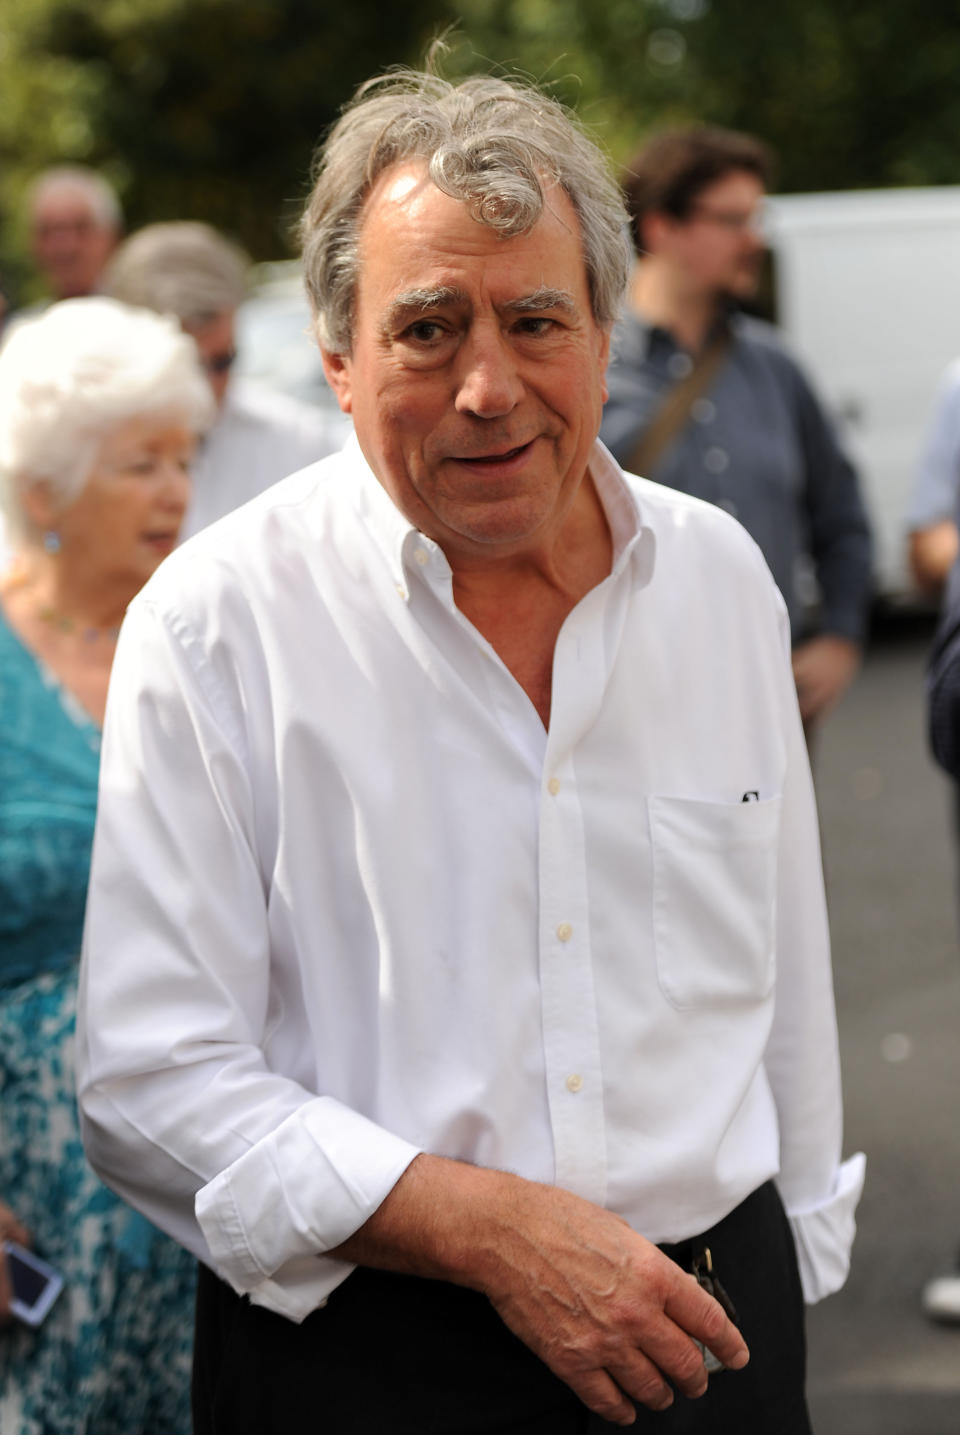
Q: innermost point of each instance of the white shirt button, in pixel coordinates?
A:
(553, 786)
(402, 591)
(703, 411)
(564, 931)
(575, 1083)
(679, 365)
(716, 460)
(421, 556)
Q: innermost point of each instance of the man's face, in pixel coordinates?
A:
(70, 244)
(476, 377)
(719, 245)
(216, 347)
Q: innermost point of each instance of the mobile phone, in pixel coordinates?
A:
(36, 1285)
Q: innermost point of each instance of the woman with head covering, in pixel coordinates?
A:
(100, 407)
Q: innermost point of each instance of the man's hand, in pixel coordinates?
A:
(10, 1230)
(605, 1309)
(823, 668)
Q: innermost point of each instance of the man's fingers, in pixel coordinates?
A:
(603, 1396)
(704, 1320)
(641, 1379)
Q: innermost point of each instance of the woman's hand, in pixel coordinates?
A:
(10, 1230)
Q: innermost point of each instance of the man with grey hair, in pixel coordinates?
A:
(75, 224)
(188, 269)
(456, 976)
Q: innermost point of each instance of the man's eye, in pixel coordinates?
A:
(535, 325)
(425, 331)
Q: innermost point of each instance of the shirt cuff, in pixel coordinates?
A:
(824, 1233)
(300, 1191)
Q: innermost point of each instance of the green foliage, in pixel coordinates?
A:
(204, 109)
(211, 108)
(849, 96)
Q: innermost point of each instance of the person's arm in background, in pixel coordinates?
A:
(842, 551)
(943, 682)
(931, 517)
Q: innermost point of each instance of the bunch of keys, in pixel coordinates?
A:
(703, 1270)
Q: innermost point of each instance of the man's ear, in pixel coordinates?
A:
(656, 228)
(339, 372)
(604, 358)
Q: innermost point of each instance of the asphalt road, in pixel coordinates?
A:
(877, 1366)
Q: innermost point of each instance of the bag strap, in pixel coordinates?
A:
(675, 408)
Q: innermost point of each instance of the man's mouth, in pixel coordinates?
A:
(494, 458)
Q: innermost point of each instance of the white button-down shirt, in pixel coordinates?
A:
(351, 901)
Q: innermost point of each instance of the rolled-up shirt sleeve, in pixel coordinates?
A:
(181, 1113)
(819, 1191)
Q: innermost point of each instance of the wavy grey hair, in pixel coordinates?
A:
(180, 267)
(71, 377)
(491, 143)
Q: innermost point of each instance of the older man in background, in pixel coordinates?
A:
(188, 269)
(456, 977)
(75, 225)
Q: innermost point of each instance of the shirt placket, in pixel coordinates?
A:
(571, 1037)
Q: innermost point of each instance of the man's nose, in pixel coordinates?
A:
(488, 381)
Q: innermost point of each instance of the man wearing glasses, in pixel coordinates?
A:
(706, 399)
(190, 270)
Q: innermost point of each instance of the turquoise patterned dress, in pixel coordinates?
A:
(114, 1353)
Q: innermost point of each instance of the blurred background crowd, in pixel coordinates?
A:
(157, 153)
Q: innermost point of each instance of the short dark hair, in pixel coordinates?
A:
(671, 171)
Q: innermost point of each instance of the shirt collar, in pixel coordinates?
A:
(408, 551)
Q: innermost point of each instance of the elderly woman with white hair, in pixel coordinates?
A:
(100, 407)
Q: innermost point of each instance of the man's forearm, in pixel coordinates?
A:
(601, 1306)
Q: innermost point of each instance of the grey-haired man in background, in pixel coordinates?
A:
(188, 269)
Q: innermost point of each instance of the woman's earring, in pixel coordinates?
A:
(51, 541)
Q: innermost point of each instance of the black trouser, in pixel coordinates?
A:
(397, 1355)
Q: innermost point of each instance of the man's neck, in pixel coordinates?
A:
(662, 295)
(520, 604)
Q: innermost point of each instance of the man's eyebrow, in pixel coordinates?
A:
(415, 302)
(422, 301)
(541, 299)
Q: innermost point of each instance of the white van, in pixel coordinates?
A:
(867, 291)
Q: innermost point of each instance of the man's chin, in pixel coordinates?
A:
(742, 286)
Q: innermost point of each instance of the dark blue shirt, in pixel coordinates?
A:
(758, 444)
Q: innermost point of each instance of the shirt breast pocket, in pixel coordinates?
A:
(714, 899)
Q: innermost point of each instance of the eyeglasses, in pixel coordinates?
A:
(220, 363)
(737, 221)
